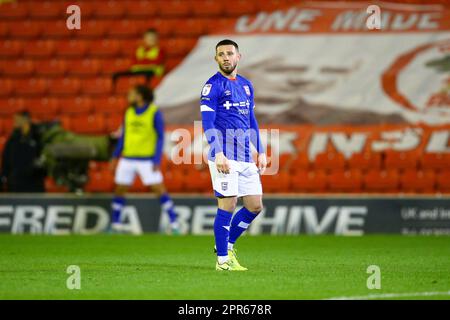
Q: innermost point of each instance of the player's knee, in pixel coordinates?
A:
(255, 207)
(228, 204)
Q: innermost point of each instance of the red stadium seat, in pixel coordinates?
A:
(300, 162)
(97, 86)
(52, 187)
(19, 68)
(47, 10)
(400, 160)
(125, 29)
(71, 48)
(93, 124)
(208, 8)
(75, 105)
(345, 180)
(174, 8)
(13, 10)
(172, 63)
(87, 9)
(31, 87)
(128, 48)
(64, 86)
(39, 49)
(381, 180)
(65, 122)
(309, 181)
(240, 7)
(3, 140)
(4, 29)
(365, 160)
(174, 181)
(435, 161)
(109, 9)
(84, 67)
(178, 46)
(138, 186)
(25, 29)
(7, 87)
(271, 5)
(94, 28)
(9, 106)
(51, 68)
(413, 180)
(113, 122)
(110, 104)
(219, 24)
(329, 160)
(104, 48)
(190, 27)
(443, 181)
(11, 49)
(109, 66)
(8, 125)
(199, 180)
(141, 8)
(100, 181)
(165, 27)
(57, 29)
(279, 182)
(42, 108)
(124, 84)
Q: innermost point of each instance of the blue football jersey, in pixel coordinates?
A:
(232, 102)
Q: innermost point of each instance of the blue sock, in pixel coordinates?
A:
(240, 223)
(221, 231)
(116, 207)
(168, 207)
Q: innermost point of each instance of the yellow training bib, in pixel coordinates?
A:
(140, 135)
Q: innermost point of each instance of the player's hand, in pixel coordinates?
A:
(262, 162)
(113, 164)
(222, 163)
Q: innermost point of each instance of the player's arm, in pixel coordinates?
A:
(159, 127)
(255, 137)
(208, 104)
(118, 150)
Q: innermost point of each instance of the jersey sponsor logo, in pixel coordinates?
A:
(206, 89)
(228, 93)
(247, 90)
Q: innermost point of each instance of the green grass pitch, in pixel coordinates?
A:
(165, 267)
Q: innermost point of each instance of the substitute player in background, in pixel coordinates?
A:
(230, 125)
(141, 146)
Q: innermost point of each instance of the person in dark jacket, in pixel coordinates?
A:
(20, 164)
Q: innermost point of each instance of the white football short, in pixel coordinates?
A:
(243, 179)
(128, 168)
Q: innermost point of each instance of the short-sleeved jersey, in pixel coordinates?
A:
(232, 101)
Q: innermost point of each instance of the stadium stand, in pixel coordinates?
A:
(56, 75)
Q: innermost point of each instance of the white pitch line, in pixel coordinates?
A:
(393, 295)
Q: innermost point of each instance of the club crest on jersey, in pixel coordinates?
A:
(224, 186)
(206, 89)
(247, 90)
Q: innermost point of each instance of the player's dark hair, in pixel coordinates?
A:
(151, 30)
(145, 92)
(24, 114)
(226, 42)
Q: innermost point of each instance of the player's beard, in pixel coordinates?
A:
(229, 71)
